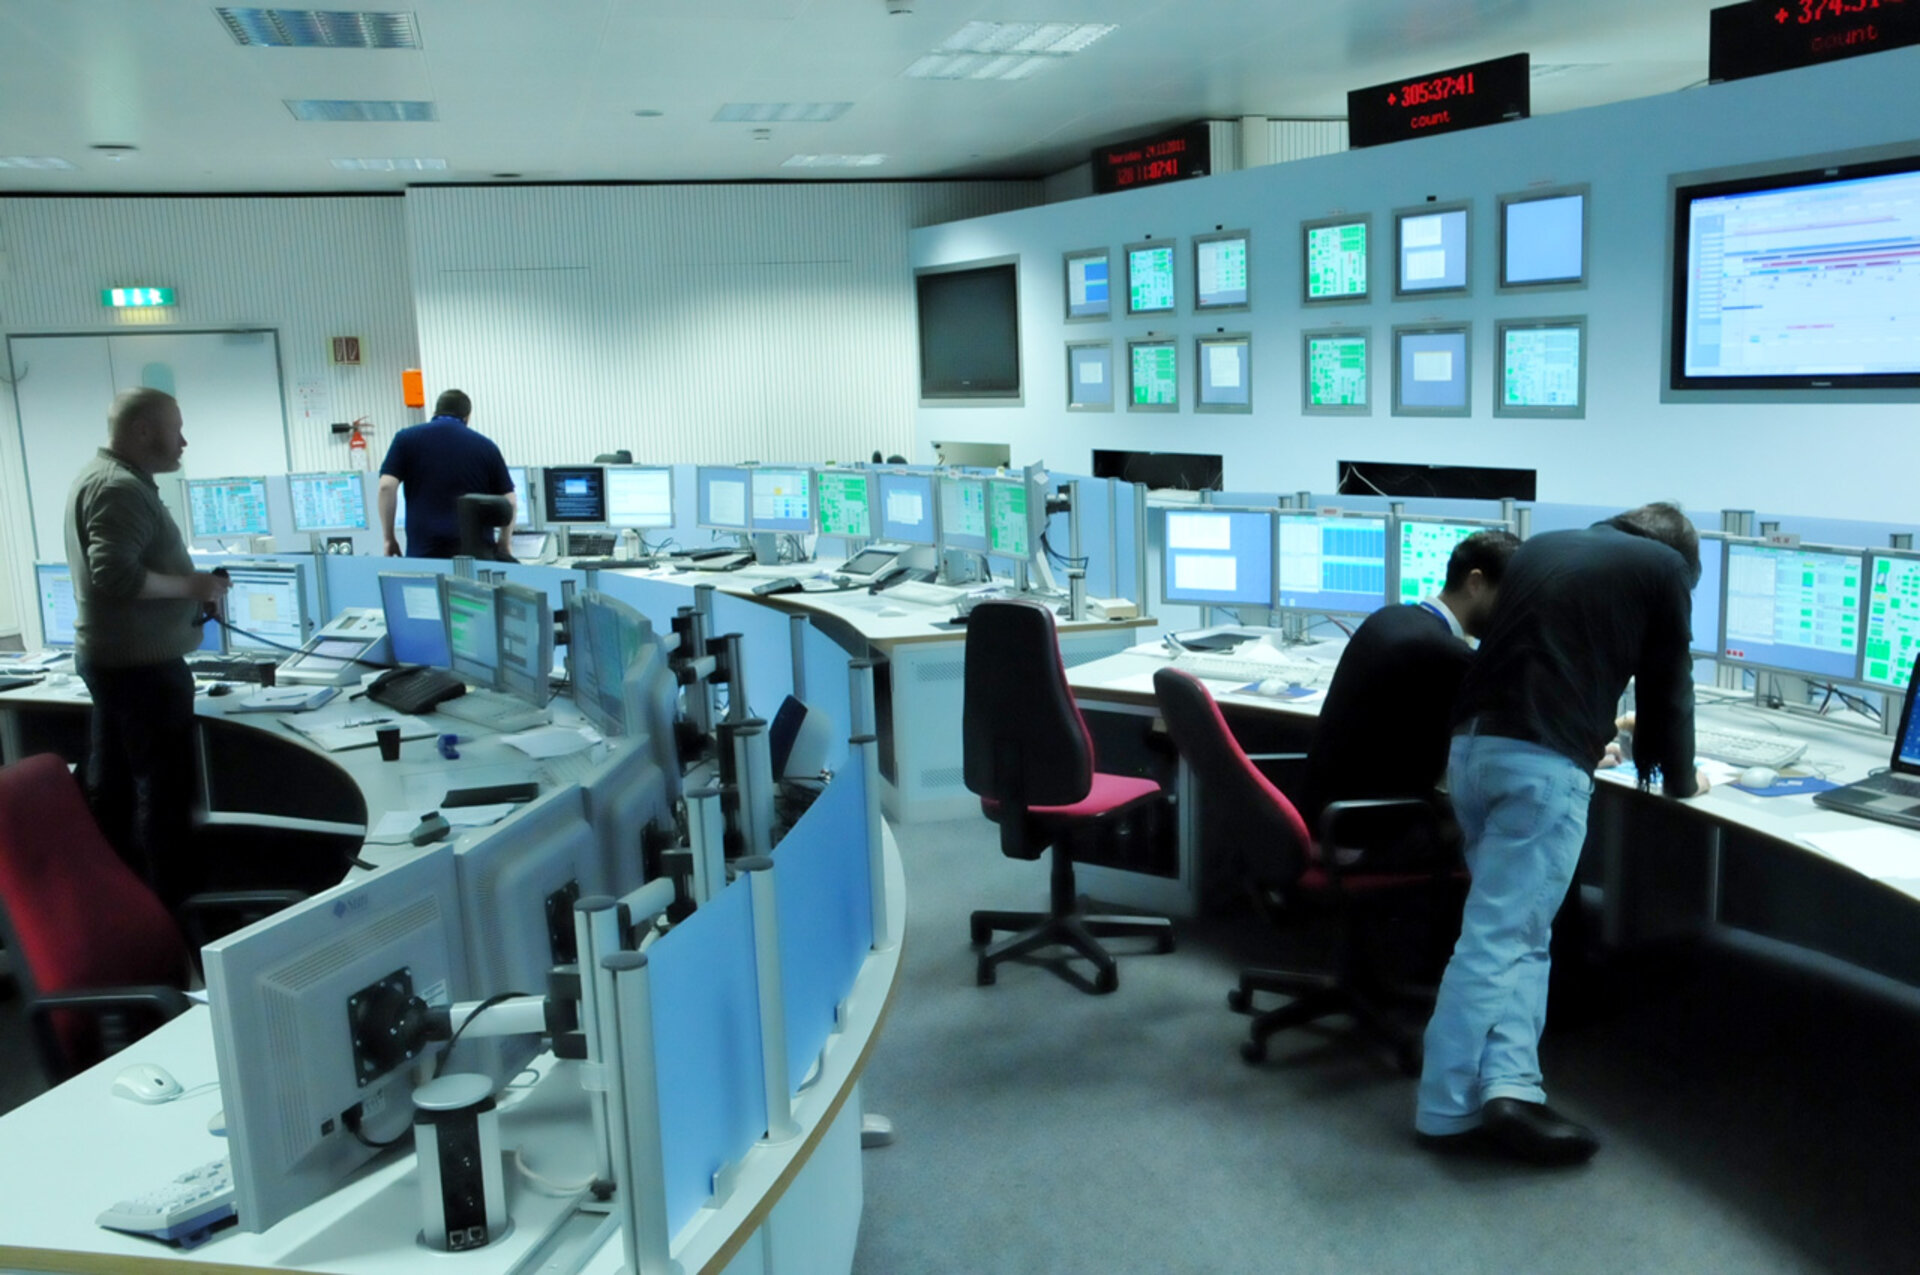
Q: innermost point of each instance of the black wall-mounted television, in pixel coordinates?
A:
(969, 331)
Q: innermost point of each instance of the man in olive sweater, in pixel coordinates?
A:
(140, 606)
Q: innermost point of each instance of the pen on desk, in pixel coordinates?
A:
(368, 721)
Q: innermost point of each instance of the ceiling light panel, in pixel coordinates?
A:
(43, 162)
(320, 29)
(780, 112)
(333, 111)
(833, 161)
(979, 66)
(1056, 38)
(388, 165)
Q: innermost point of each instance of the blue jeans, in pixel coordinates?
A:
(1523, 812)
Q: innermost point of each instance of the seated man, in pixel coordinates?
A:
(1387, 721)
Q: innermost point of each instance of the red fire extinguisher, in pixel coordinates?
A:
(357, 446)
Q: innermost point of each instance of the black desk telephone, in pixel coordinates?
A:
(414, 690)
(899, 575)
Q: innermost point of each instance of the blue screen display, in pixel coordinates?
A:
(906, 508)
(1218, 557)
(414, 623)
(1543, 241)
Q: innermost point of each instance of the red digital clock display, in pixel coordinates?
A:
(1443, 102)
(1763, 36)
(1151, 161)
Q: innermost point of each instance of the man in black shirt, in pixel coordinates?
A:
(1580, 613)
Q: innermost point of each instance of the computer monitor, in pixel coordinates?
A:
(416, 622)
(963, 514)
(473, 630)
(604, 639)
(1336, 372)
(1708, 595)
(622, 795)
(1543, 367)
(1219, 557)
(1220, 271)
(843, 497)
(1150, 281)
(1335, 251)
(1431, 373)
(723, 498)
(1543, 238)
(521, 477)
(1893, 619)
(1009, 533)
(782, 500)
(328, 502)
(639, 496)
(227, 507)
(1430, 249)
(906, 506)
(1088, 292)
(1333, 564)
(266, 609)
(1794, 609)
(526, 643)
(1423, 547)
(575, 493)
(53, 586)
(304, 1005)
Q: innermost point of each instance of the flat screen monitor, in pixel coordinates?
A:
(1332, 564)
(1089, 295)
(1543, 239)
(1794, 609)
(1336, 257)
(227, 507)
(328, 502)
(301, 1005)
(1431, 375)
(575, 493)
(963, 514)
(1219, 557)
(1220, 271)
(1090, 376)
(416, 625)
(1798, 281)
(521, 478)
(1336, 373)
(906, 507)
(1707, 596)
(1223, 374)
(1543, 367)
(639, 496)
(53, 587)
(1430, 250)
(266, 609)
(607, 639)
(969, 320)
(1153, 376)
(1893, 619)
(1150, 282)
(722, 498)
(473, 630)
(1423, 547)
(1009, 533)
(846, 508)
(526, 643)
(782, 500)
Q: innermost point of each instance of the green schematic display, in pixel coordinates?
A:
(1337, 261)
(1337, 371)
(1424, 550)
(843, 505)
(1893, 621)
(1156, 375)
(1150, 279)
(1540, 367)
(1007, 520)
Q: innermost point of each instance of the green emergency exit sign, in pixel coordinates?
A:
(135, 298)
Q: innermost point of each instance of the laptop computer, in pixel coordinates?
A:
(1894, 795)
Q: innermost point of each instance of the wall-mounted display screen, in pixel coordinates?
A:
(1090, 376)
(1223, 374)
(1800, 281)
(1089, 275)
(1220, 271)
(1543, 239)
(969, 322)
(1336, 257)
(1430, 250)
(1154, 376)
(1543, 367)
(1335, 373)
(1150, 282)
(1431, 376)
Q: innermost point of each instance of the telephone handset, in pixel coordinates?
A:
(899, 575)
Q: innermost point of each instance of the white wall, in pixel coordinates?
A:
(686, 323)
(1846, 461)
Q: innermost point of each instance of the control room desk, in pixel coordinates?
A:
(69, 1153)
(1663, 868)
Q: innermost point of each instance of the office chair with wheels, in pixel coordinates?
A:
(1030, 759)
(1357, 870)
(99, 959)
(481, 518)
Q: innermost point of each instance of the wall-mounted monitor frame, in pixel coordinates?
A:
(1414, 284)
(1090, 359)
(1080, 283)
(1512, 337)
(1169, 384)
(1223, 372)
(1464, 365)
(1311, 341)
(1167, 289)
(967, 333)
(1308, 230)
(1541, 210)
(1207, 260)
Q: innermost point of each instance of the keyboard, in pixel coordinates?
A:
(1744, 748)
(571, 768)
(1242, 668)
(495, 711)
(183, 1212)
(923, 593)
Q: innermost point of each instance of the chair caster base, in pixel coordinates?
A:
(1107, 980)
(983, 976)
(1253, 1052)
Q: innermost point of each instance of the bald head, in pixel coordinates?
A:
(143, 426)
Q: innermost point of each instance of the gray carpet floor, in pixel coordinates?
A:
(1758, 1116)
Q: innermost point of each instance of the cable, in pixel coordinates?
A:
(352, 1119)
(440, 1064)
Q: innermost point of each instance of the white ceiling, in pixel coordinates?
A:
(547, 89)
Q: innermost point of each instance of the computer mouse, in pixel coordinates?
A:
(1758, 777)
(146, 1082)
(220, 688)
(217, 1123)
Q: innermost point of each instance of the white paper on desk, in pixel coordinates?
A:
(553, 741)
(396, 826)
(1878, 853)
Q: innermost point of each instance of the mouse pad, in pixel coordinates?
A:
(1790, 787)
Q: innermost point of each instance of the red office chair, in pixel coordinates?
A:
(99, 959)
(1029, 757)
(1355, 871)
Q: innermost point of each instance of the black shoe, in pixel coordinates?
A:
(1535, 1132)
(1466, 1142)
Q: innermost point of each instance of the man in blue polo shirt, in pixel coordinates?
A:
(438, 463)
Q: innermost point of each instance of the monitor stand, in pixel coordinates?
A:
(766, 548)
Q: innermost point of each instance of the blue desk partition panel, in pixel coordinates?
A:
(826, 915)
(354, 581)
(533, 575)
(829, 688)
(706, 1028)
(767, 647)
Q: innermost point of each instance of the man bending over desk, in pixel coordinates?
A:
(1580, 613)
